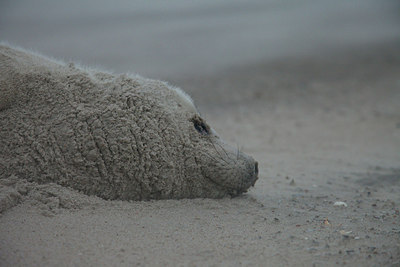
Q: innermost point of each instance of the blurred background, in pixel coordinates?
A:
(170, 39)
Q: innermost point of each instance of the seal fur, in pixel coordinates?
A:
(113, 136)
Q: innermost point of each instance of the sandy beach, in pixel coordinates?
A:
(323, 130)
(323, 124)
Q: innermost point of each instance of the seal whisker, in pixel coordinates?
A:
(215, 160)
(218, 152)
(226, 154)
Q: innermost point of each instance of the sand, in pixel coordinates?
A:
(323, 129)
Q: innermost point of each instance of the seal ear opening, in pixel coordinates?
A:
(200, 125)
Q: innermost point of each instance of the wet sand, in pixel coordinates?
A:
(323, 129)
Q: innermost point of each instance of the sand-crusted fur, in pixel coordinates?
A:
(117, 137)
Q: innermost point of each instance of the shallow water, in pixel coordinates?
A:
(164, 39)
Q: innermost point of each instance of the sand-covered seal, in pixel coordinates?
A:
(117, 137)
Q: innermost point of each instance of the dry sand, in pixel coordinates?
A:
(322, 129)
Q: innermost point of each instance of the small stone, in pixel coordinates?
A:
(340, 204)
(345, 234)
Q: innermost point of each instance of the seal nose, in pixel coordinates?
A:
(254, 177)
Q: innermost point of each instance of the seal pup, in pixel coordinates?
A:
(114, 136)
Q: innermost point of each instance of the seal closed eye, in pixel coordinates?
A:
(200, 125)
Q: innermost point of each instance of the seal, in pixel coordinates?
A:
(114, 136)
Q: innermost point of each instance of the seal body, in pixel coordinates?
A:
(114, 136)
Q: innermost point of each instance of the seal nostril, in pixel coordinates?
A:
(256, 168)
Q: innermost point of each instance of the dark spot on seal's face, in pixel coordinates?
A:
(200, 125)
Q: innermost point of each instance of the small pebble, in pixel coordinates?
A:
(340, 204)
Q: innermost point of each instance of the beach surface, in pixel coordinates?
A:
(325, 130)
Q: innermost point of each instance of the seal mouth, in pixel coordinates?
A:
(251, 181)
(254, 181)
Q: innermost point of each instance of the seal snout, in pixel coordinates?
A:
(254, 177)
